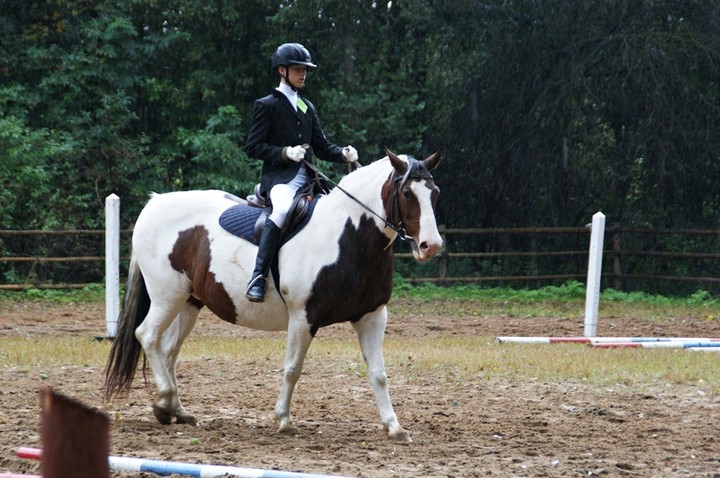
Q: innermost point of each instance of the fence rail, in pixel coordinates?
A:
(623, 244)
(472, 255)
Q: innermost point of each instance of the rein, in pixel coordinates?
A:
(399, 182)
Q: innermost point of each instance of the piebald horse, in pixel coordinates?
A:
(338, 268)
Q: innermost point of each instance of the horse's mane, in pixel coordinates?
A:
(373, 171)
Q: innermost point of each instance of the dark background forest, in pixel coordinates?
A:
(547, 111)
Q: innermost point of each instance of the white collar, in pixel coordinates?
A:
(291, 94)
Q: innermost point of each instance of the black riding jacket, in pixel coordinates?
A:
(277, 124)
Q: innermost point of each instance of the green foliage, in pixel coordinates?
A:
(703, 297)
(216, 151)
(580, 108)
(547, 111)
(22, 175)
(700, 297)
(571, 291)
(94, 293)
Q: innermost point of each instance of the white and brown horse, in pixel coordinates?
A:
(339, 268)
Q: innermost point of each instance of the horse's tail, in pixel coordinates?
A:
(126, 349)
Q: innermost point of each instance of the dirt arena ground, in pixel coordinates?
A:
(460, 429)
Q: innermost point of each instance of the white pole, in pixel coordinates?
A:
(592, 291)
(112, 263)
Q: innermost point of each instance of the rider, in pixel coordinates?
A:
(285, 130)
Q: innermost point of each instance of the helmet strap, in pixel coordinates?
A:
(285, 76)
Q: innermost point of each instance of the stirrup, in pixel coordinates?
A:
(256, 289)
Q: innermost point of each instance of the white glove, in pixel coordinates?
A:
(294, 153)
(350, 154)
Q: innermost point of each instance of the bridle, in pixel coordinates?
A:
(415, 171)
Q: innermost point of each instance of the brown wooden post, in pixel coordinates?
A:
(75, 438)
(533, 266)
(443, 259)
(617, 266)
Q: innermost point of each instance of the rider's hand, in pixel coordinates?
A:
(350, 154)
(294, 153)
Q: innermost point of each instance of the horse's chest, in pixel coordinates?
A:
(358, 282)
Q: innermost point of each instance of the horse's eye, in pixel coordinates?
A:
(406, 194)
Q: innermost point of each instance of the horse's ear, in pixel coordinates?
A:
(432, 161)
(399, 165)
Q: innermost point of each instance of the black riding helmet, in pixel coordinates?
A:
(291, 54)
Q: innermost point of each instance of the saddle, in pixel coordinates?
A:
(298, 208)
(246, 220)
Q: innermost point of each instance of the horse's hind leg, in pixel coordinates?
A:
(161, 336)
(371, 331)
(172, 341)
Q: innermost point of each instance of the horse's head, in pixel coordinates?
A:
(409, 197)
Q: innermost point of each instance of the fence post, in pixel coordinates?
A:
(617, 266)
(443, 257)
(592, 290)
(112, 263)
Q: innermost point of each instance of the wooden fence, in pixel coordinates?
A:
(33, 274)
(535, 255)
(618, 254)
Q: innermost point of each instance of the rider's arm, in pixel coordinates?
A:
(258, 144)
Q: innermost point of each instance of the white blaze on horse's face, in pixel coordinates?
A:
(428, 241)
(416, 199)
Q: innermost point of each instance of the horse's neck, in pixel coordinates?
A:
(359, 197)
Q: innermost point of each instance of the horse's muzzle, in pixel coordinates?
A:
(425, 250)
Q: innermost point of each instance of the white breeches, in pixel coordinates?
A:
(282, 195)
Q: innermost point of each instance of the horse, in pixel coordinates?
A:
(338, 268)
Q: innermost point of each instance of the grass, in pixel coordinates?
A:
(567, 300)
(449, 359)
(95, 293)
(480, 358)
(24, 353)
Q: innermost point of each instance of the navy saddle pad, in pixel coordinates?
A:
(240, 220)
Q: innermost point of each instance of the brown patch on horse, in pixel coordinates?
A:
(191, 255)
(345, 292)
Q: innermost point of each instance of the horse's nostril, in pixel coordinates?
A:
(424, 246)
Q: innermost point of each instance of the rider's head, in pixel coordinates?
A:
(291, 61)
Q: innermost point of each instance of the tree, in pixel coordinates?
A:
(566, 108)
(547, 111)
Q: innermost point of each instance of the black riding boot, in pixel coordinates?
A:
(267, 249)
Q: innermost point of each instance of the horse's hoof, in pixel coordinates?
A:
(162, 415)
(288, 429)
(400, 436)
(187, 420)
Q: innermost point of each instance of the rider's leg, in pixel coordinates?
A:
(267, 248)
(281, 196)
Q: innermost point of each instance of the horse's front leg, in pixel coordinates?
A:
(298, 342)
(371, 332)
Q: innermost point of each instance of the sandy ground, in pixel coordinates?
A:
(483, 427)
